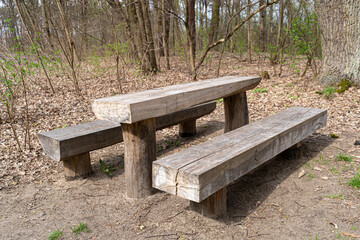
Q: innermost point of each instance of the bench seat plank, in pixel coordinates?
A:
(134, 107)
(62, 143)
(199, 171)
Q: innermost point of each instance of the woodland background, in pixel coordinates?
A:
(58, 55)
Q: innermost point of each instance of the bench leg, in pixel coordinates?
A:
(187, 128)
(77, 166)
(236, 111)
(294, 152)
(140, 152)
(236, 115)
(213, 206)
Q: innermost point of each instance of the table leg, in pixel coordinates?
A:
(236, 111)
(140, 152)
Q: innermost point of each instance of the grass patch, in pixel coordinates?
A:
(55, 235)
(333, 135)
(336, 196)
(343, 157)
(108, 169)
(355, 181)
(327, 92)
(260, 90)
(82, 227)
(311, 176)
(316, 238)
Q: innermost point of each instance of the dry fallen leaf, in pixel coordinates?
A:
(301, 174)
(317, 168)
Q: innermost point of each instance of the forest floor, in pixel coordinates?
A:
(303, 198)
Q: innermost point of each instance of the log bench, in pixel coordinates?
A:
(202, 172)
(73, 144)
(137, 112)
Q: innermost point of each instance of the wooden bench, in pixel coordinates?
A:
(73, 144)
(202, 172)
(137, 112)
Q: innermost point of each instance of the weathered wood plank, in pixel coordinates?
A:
(62, 143)
(133, 107)
(200, 171)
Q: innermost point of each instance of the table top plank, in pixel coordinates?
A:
(134, 107)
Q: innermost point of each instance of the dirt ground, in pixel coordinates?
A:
(303, 198)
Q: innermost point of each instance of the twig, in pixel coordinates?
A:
(299, 204)
(260, 234)
(161, 235)
(350, 235)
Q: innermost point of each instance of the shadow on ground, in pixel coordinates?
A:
(250, 191)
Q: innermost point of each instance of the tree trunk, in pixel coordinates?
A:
(340, 25)
(84, 21)
(158, 28)
(280, 25)
(270, 26)
(45, 23)
(191, 33)
(262, 36)
(215, 20)
(149, 38)
(166, 4)
(249, 29)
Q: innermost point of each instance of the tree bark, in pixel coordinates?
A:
(191, 32)
(280, 25)
(270, 26)
(340, 37)
(166, 4)
(158, 28)
(249, 30)
(262, 36)
(45, 23)
(215, 20)
(145, 41)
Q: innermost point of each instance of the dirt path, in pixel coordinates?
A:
(272, 202)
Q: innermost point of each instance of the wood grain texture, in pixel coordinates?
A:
(236, 115)
(66, 142)
(199, 171)
(77, 166)
(213, 206)
(133, 107)
(236, 111)
(140, 152)
(187, 128)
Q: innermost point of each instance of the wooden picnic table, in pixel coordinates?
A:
(137, 112)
